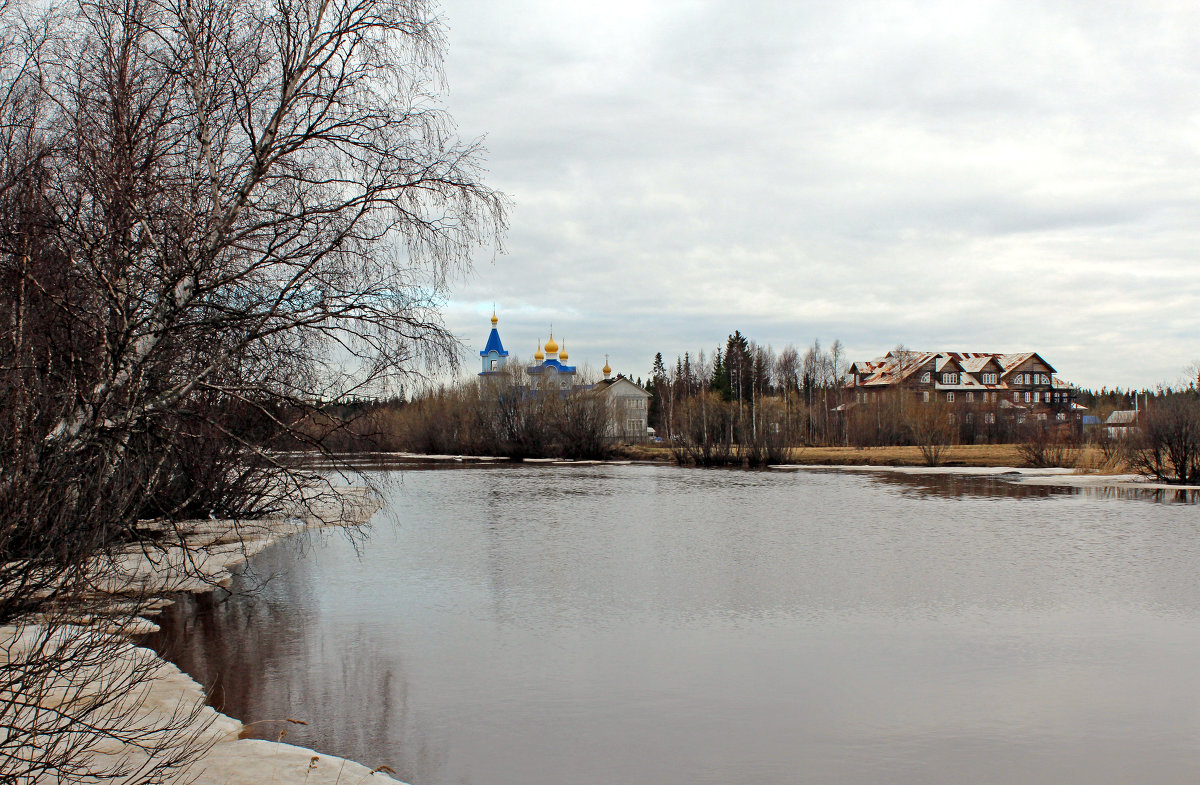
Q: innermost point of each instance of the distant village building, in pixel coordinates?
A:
(1121, 424)
(628, 406)
(1024, 382)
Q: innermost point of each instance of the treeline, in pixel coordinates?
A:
(744, 393)
(496, 415)
(744, 403)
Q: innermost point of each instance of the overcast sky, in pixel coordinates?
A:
(961, 176)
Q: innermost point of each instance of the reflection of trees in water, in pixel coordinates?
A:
(264, 663)
(959, 485)
(1165, 495)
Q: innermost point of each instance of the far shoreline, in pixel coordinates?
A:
(991, 460)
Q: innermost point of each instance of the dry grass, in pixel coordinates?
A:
(1090, 458)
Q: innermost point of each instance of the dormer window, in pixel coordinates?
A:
(989, 378)
(949, 378)
(925, 377)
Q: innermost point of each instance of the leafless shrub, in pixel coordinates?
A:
(1047, 445)
(931, 428)
(1166, 445)
(1113, 452)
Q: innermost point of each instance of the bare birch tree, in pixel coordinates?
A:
(212, 213)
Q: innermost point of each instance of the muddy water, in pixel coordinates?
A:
(641, 624)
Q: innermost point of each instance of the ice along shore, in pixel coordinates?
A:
(202, 561)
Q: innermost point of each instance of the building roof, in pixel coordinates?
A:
(551, 363)
(625, 385)
(1125, 417)
(893, 368)
(493, 345)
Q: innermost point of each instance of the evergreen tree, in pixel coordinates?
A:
(658, 389)
(720, 377)
(739, 366)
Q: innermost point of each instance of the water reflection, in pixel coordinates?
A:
(960, 485)
(950, 485)
(656, 625)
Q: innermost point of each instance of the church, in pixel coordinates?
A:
(550, 370)
(627, 402)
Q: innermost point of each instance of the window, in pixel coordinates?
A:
(1060, 416)
(989, 378)
(633, 425)
(949, 378)
(989, 417)
(970, 397)
(1037, 396)
(949, 397)
(1027, 396)
(1016, 397)
(495, 364)
(925, 396)
(950, 419)
(925, 377)
(969, 417)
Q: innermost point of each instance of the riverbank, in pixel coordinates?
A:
(971, 455)
(210, 551)
(1091, 469)
(983, 455)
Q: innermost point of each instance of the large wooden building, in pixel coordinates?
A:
(1024, 382)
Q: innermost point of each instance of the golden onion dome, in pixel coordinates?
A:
(551, 346)
(539, 355)
(494, 319)
(606, 369)
(562, 355)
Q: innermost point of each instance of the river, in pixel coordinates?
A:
(578, 625)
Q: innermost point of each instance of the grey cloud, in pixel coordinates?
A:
(1003, 175)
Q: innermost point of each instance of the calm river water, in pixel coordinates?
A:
(655, 625)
